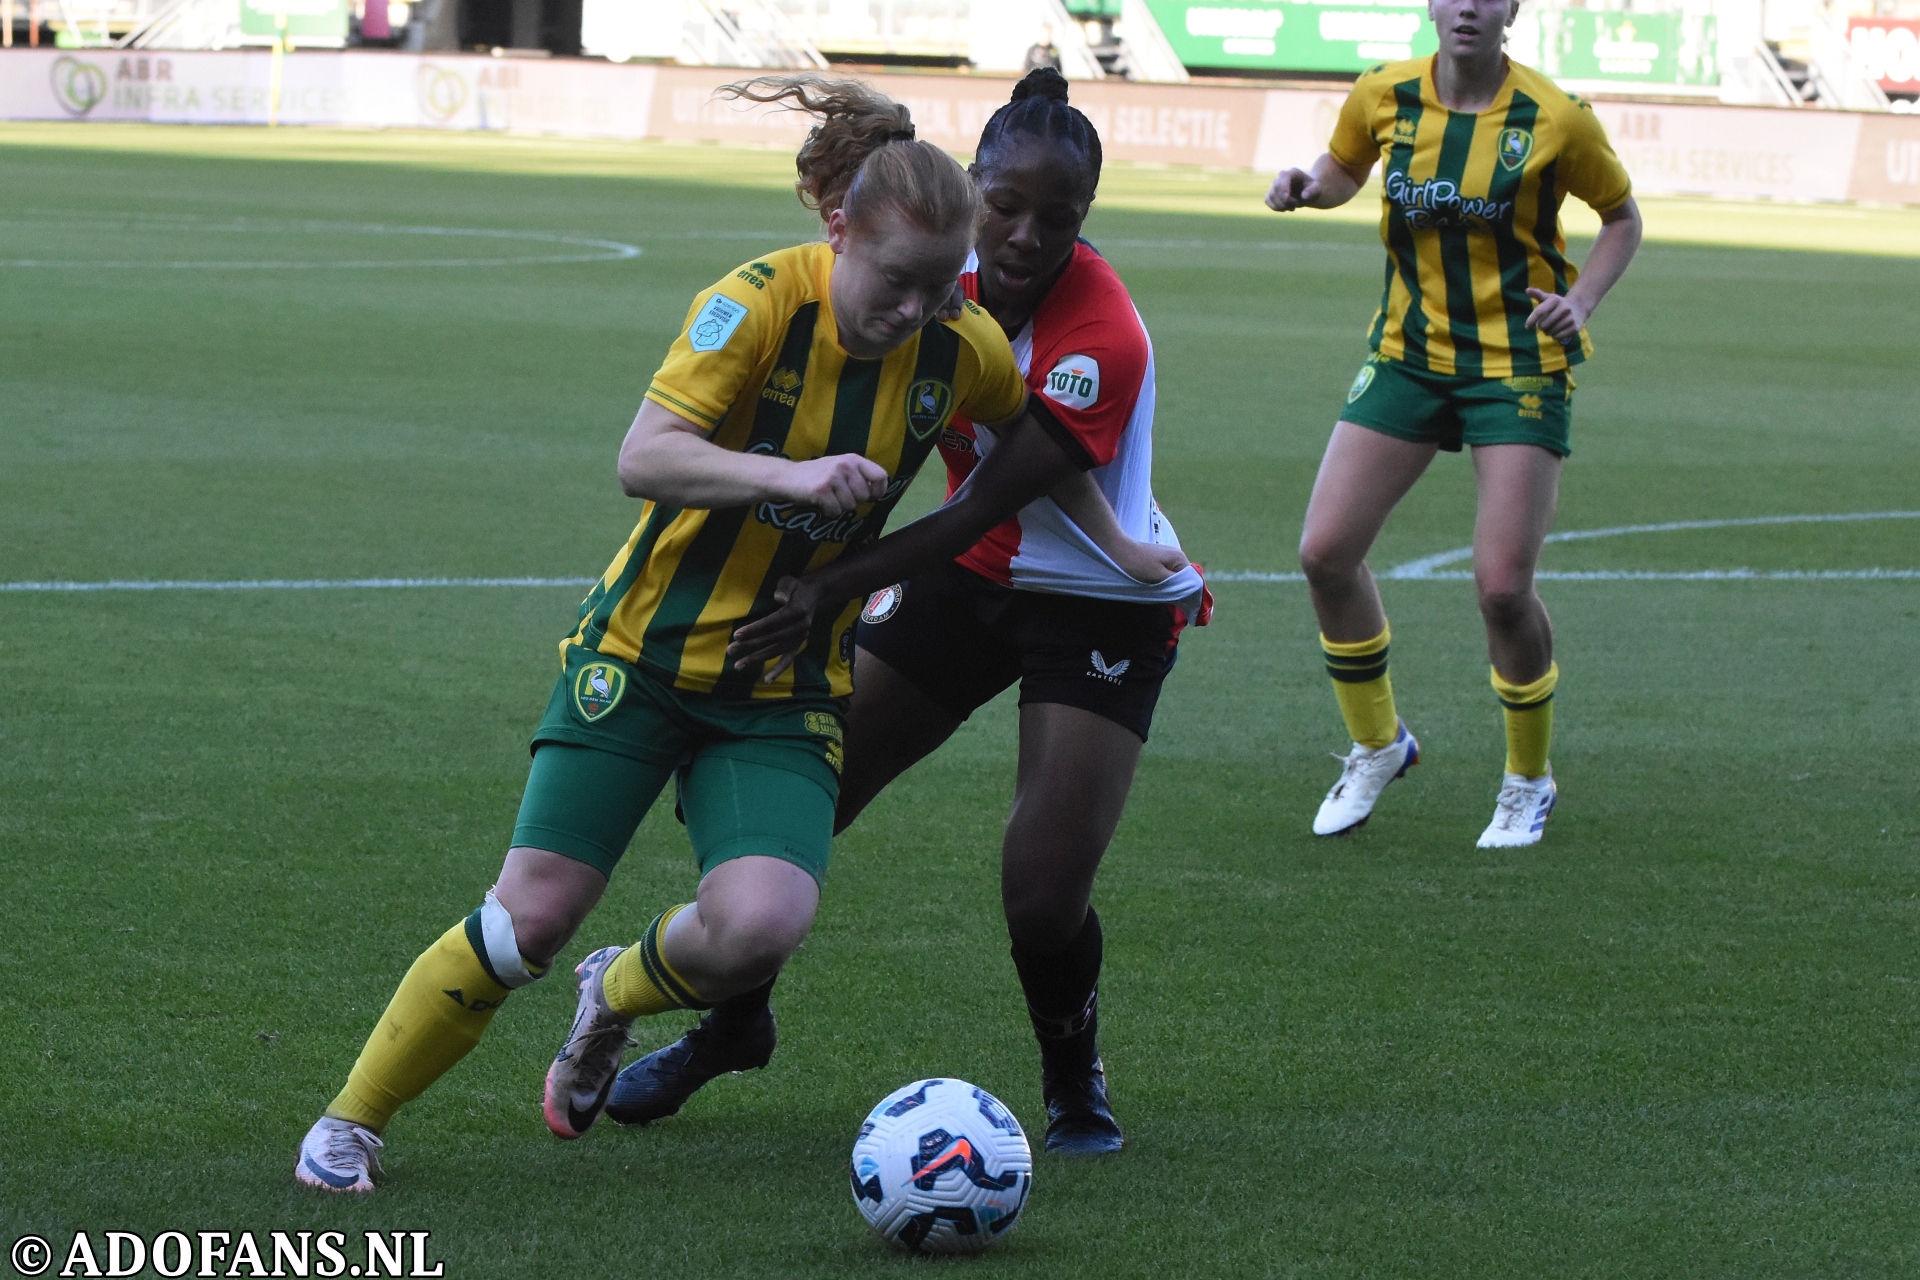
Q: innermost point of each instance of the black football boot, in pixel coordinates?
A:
(736, 1035)
(1074, 1084)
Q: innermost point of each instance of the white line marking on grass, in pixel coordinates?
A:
(1248, 575)
(293, 584)
(1426, 566)
(1696, 575)
(1236, 246)
(1425, 569)
(600, 250)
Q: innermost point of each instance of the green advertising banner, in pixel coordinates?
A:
(1640, 48)
(1352, 35)
(306, 19)
(1295, 35)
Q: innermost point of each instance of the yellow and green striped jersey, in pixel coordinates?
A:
(759, 365)
(1471, 214)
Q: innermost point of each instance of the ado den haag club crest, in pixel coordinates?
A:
(1361, 381)
(1515, 146)
(597, 688)
(929, 405)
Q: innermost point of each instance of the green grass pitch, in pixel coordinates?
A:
(1682, 1037)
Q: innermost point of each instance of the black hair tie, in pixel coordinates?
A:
(901, 135)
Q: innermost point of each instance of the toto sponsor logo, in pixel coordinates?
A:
(78, 86)
(441, 92)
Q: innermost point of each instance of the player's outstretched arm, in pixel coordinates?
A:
(668, 459)
(1327, 185)
(1562, 316)
(1088, 508)
(1026, 463)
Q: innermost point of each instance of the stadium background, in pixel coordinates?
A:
(1678, 1038)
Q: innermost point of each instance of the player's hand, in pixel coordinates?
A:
(835, 484)
(1293, 189)
(1558, 316)
(955, 304)
(780, 635)
(1152, 563)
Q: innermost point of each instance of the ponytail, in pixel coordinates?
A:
(863, 154)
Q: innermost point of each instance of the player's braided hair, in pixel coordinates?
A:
(1039, 109)
(863, 155)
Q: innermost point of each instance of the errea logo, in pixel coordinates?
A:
(756, 274)
(1074, 382)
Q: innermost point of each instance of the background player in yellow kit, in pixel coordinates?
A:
(1482, 318)
(804, 392)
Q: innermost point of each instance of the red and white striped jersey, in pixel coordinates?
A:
(1087, 355)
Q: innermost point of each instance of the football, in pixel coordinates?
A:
(941, 1167)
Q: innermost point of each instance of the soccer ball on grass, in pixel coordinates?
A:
(941, 1167)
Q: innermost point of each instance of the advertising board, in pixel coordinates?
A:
(1294, 35)
(1888, 51)
(306, 19)
(1668, 148)
(1587, 46)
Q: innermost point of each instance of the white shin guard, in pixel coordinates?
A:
(503, 949)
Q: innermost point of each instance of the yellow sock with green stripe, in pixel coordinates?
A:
(1365, 690)
(1529, 713)
(439, 1012)
(640, 982)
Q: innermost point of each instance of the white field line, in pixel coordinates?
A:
(292, 584)
(597, 250)
(1425, 569)
(1238, 246)
(1628, 575)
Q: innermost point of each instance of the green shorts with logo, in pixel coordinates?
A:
(1449, 410)
(754, 776)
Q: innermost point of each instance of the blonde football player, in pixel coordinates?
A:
(1482, 319)
(804, 392)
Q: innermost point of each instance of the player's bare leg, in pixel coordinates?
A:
(748, 918)
(1363, 476)
(890, 726)
(1519, 490)
(1075, 771)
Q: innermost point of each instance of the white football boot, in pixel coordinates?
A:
(1364, 774)
(338, 1155)
(582, 1075)
(1520, 814)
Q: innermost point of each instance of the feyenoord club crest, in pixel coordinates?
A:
(597, 688)
(884, 603)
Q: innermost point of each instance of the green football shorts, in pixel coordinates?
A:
(1449, 410)
(755, 777)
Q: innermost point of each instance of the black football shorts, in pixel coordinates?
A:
(961, 639)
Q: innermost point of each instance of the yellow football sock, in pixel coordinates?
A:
(640, 982)
(1365, 690)
(1529, 712)
(440, 1011)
